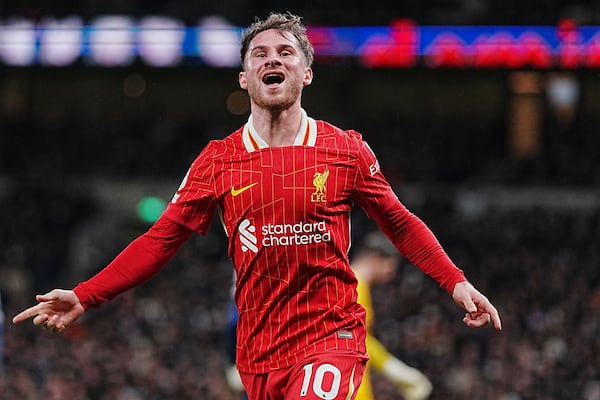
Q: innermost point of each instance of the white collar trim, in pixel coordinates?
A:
(306, 136)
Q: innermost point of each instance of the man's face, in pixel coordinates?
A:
(275, 70)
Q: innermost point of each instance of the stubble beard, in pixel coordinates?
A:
(277, 102)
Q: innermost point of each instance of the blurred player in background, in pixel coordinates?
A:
(284, 185)
(376, 261)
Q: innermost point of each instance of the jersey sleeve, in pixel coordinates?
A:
(409, 234)
(138, 262)
(194, 203)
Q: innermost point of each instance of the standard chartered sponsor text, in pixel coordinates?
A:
(300, 233)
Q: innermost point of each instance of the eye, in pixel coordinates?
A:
(285, 53)
(258, 53)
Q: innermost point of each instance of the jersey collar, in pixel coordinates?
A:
(306, 136)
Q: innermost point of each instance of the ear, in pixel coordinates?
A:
(308, 76)
(242, 80)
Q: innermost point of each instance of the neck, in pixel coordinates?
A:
(279, 127)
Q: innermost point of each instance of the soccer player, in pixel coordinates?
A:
(284, 185)
(376, 262)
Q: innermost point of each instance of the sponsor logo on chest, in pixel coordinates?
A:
(298, 234)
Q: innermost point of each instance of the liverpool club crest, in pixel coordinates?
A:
(319, 180)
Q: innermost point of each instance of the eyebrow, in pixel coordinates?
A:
(279, 46)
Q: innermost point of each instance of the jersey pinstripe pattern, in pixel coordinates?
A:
(289, 234)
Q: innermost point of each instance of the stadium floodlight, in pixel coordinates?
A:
(160, 41)
(60, 41)
(219, 42)
(163, 41)
(18, 42)
(112, 41)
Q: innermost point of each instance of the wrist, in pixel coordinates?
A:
(79, 292)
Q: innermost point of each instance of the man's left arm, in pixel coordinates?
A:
(413, 238)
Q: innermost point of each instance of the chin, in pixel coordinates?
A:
(275, 104)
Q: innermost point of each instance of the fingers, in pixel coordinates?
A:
(34, 310)
(465, 295)
(53, 323)
(482, 318)
(54, 294)
(38, 310)
(476, 321)
(480, 311)
(55, 311)
(26, 314)
(495, 316)
(469, 305)
(492, 313)
(40, 319)
(44, 320)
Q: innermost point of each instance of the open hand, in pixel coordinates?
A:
(55, 311)
(480, 311)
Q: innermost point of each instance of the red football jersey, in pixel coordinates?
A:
(286, 212)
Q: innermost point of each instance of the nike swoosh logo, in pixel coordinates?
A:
(237, 192)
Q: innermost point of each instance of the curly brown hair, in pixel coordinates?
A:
(287, 22)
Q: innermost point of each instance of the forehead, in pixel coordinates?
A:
(274, 38)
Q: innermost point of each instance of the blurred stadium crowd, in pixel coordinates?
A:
(536, 260)
(165, 340)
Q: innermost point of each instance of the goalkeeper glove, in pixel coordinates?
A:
(233, 379)
(410, 382)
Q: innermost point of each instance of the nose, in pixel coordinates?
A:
(272, 59)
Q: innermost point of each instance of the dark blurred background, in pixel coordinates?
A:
(351, 13)
(502, 163)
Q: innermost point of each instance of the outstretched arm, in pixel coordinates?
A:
(480, 311)
(140, 260)
(416, 241)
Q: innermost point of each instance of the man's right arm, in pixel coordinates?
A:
(138, 262)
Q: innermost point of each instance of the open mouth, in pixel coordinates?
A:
(271, 79)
